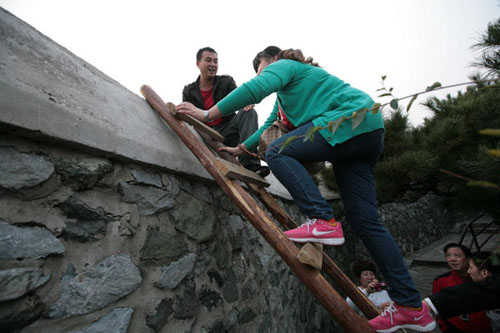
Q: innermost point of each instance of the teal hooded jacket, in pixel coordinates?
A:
(305, 93)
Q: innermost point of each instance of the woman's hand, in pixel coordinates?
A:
(191, 110)
(385, 305)
(235, 151)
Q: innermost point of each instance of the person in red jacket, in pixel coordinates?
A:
(457, 258)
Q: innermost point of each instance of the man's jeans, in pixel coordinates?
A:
(238, 129)
(353, 164)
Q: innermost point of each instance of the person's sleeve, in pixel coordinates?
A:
(184, 95)
(352, 305)
(441, 322)
(253, 140)
(272, 78)
(468, 297)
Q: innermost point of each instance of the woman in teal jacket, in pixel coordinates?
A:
(309, 96)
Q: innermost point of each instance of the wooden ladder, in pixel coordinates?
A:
(228, 173)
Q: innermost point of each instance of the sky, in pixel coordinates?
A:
(413, 42)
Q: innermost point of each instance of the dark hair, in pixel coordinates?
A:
(296, 54)
(464, 248)
(483, 260)
(363, 265)
(268, 53)
(203, 49)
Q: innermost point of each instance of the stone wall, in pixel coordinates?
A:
(109, 224)
(87, 241)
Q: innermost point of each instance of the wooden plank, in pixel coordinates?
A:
(333, 302)
(234, 171)
(311, 254)
(195, 123)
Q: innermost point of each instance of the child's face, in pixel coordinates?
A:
(475, 273)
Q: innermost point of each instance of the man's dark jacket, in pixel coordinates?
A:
(223, 85)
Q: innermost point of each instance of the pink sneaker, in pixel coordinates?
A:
(318, 231)
(396, 316)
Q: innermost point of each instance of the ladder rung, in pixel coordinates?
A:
(234, 171)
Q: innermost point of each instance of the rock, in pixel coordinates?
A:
(111, 279)
(158, 319)
(84, 231)
(27, 242)
(149, 200)
(215, 276)
(221, 254)
(75, 208)
(193, 217)
(89, 221)
(246, 316)
(210, 299)
(82, 172)
(185, 305)
(162, 247)
(20, 312)
(116, 321)
(217, 327)
(174, 273)
(171, 183)
(230, 289)
(20, 170)
(17, 282)
(146, 178)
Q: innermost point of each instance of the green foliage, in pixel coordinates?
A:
(461, 137)
(490, 46)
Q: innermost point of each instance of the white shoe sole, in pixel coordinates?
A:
(325, 241)
(429, 327)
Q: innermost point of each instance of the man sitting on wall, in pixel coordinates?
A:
(208, 89)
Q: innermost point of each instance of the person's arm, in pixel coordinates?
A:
(467, 297)
(197, 113)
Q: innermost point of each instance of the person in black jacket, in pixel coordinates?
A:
(208, 89)
(471, 296)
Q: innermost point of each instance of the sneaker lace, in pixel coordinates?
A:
(308, 222)
(390, 310)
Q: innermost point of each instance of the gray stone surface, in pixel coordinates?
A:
(20, 312)
(176, 271)
(186, 304)
(230, 289)
(194, 217)
(116, 321)
(89, 222)
(159, 318)
(27, 242)
(20, 170)
(17, 282)
(150, 200)
(143, 177)
(82, 171)
(163, 248)
(111, 279)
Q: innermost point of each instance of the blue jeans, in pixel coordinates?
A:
(353, 164)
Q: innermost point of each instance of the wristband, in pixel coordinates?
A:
(205, 116)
